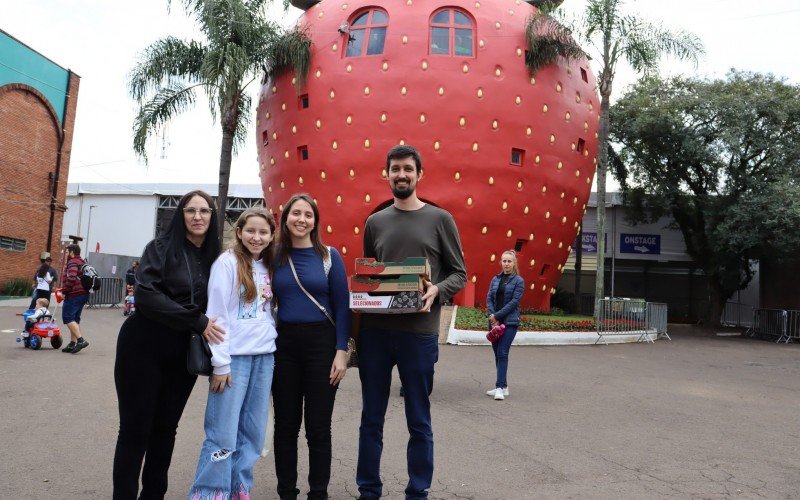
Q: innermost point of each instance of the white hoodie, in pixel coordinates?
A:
(249, 327)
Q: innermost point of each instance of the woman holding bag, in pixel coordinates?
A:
(153, 384)
(310, 285)
(502, 306)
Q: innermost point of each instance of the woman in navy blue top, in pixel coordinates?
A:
(502, 306)
(311, 355)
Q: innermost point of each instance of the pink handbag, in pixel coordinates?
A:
(496, 332)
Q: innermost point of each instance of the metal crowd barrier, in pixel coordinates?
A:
(656, 319)
(737, 314)
(792, 326)
(631, 317)
(768, 323)
(111, 293)
(781, 323)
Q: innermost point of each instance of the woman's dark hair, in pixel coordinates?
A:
(43, 269)
(285, 238)
(175, 235)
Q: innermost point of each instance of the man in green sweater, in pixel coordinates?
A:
(407, 228)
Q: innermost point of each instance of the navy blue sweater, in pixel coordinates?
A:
(331, 292)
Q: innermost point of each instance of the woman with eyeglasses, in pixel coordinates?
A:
(150, 373)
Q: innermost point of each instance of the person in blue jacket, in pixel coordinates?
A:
(502, 306)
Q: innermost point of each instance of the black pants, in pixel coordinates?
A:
(39, 294)
(153, 387)
(303, 361)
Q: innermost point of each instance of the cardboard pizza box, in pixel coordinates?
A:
(395, 303)
(402, 283)
(411, 265)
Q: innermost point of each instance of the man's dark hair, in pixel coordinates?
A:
(404, 151)
(75, 249)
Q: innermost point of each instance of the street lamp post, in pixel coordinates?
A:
(89, 228)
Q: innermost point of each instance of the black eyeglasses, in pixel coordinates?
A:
(191, 211)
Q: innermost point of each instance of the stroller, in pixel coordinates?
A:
(45, 328)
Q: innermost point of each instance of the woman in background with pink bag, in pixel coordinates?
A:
(502, 307)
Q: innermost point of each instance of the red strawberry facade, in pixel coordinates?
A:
(511, 156)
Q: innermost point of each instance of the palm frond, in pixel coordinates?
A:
(291, 50)
(165, 105)
(164, 63)
(547, 41)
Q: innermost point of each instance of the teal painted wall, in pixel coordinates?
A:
(20, 64)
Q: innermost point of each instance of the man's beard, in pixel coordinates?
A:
(402, 193)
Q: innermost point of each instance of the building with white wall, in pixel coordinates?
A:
(119, 219)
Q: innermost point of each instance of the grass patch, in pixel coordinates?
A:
(469, 318)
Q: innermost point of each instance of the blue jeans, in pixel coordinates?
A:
(236, 420)
(415, 355)
(501, 348)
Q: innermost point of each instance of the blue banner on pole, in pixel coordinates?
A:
(642, 244)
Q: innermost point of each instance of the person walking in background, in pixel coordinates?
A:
(130, 275)
(311, 358)
(239, 296)
(407, 228)
(150, 372)
(75, 297)
(42, 283)
(502, 307)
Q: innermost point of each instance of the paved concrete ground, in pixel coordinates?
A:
(698, 417)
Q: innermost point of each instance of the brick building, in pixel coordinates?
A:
(38, 99)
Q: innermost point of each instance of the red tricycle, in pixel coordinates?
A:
(45, 328)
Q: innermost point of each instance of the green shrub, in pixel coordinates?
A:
(17, 287)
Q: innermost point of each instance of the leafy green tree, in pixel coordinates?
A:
(240, 44)
(610, 37)
(722, 158)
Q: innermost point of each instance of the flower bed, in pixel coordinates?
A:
(469, 318)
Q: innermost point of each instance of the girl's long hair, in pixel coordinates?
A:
(244, 265)
(42, 271)
(285, 238)
(513, 254)
(175, 235)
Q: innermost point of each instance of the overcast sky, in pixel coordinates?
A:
(100, 40)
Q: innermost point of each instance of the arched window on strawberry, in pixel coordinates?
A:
(452, 33)
(369, 26)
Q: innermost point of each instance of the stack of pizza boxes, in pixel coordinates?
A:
(389, 287)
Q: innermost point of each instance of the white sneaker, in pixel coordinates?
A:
(491, 392)
(498, 394)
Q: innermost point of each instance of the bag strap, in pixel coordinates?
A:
(189, 270)
(321, 307)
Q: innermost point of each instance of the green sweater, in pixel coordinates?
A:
(392, 234)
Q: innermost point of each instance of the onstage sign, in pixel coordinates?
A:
(589, 242)
(642, 244)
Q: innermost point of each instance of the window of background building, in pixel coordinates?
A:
(13, 244)
(452, 33)
(368, 33)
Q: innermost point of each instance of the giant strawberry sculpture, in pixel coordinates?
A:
(509, 155)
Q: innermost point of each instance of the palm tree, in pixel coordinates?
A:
(240, 44)
(613, 37)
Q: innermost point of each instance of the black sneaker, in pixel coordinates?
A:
(79, 345)
(70, 347)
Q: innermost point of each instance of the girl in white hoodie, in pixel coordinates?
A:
(239, 297)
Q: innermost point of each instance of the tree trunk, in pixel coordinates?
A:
(225, 157)
(602, 168)
(716, 303)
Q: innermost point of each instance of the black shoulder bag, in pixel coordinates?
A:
(198, 356)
